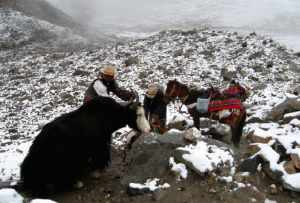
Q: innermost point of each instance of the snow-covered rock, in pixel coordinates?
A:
(204, 158)
(8, 195)
(17, 29)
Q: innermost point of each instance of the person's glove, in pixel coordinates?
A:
(132, 95)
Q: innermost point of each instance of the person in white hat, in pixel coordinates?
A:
(156, 108)
(105, 84)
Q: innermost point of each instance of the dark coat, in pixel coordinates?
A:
(74, 142)
(156, 107)
(112, 87)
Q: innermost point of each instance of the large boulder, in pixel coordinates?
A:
(287, 106)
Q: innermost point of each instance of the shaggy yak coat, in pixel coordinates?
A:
(74, 142)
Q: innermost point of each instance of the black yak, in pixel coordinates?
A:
(74, 142)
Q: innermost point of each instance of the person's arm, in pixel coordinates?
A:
(146, 105)
(122, 93)
(100, 88)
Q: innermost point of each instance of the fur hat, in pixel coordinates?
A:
(109, 71)
(152, 91)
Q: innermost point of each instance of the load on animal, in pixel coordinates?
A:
(76, 143)
(226, 106)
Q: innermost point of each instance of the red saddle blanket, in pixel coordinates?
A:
(218, 105)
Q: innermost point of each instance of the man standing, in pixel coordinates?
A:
(156, 108)
(105, 84)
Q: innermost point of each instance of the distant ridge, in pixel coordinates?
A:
(42, 10)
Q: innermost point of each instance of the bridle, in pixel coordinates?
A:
(172, 93)
(177, 91)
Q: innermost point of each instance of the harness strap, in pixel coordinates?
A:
(172, 91)
(218, 105)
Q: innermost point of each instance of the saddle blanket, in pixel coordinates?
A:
(218, 105)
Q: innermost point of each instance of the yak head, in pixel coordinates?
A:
(136, 116)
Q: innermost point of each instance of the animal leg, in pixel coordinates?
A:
(237, 130)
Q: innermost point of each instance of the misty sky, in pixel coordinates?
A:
(275, 17)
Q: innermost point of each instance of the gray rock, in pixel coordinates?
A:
(228, 74)
(297, 90)
(290, 187)
(290, 116)
(295, 67)
(178, 154)
(132, 60)
(137, 191)
(80, 73)
(158, 194)
(274, 175)
(287, 106)
(250, 165)
(149, 157)
(178, 52)
(256, 55)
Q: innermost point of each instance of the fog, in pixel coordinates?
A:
(277, 18)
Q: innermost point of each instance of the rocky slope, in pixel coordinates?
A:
(37, 86)
(42, 10)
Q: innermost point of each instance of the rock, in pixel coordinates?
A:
(256, 55)
(244, 44)
(295, 160)
(273, 189)
(295, 67)
(212, 190)
(191, 135)
(188, 53)
(270, 64)
(80, 73)
(295, 122)
(143, 75)
(149, 157)
(221, 132)
(274, 175)
(204, 166)
(256, 138)
(297, 90)
(179, 125)
(289, 167)
(291, 184)
(297, 54)
(252, 149)
(287, 106)
(257, 68)
(8, 195)
(177, 53)
(205, 122)
(132, 60)
(137, 191)
(157, 195)
(242, 177)
(228, 73)
(207, 53)
(290, 116)
(250, 165)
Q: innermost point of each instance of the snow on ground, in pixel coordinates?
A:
(37, 87)
(286, 135)
(206, 158)
(151, 184)
(8, 195)
(179, 168)
(17, 29)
